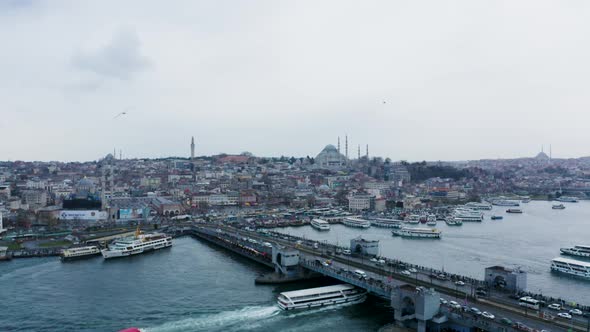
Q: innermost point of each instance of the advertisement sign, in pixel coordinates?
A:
(82, 215)
(125, 213)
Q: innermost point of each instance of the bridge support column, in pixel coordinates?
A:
(421, 326)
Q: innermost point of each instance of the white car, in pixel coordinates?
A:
(406, 273)
(576, 312)
(443, 301)
(459, 283)
(554, 306)
(413, 270)
(374, 260)
(454, 304)
(475, 311)
(564, 315)
(346, 252)
(487, 315)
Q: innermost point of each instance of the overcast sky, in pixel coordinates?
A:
(434, 80)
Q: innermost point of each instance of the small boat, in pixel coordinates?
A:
(495, 217)
(558, 207)
(514, 211)
(4, 255)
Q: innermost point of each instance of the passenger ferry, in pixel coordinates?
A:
(430, 233)
(567, 199)
(413, 219)
(505, 202)
(356, 222)
(79, 253)
(453, 221)
(320, 225)
(478, 206)
(138, 244)
(558, 207)
(582, 251)
(571, 266)
(514, 211)
(386, 223)
(468, 215)
(321, 296)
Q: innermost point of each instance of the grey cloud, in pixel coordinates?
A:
(121, 58)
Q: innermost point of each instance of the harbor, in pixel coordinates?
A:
(448, 254)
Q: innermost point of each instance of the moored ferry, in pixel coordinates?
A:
(4, 255)
(478, 206)
(514, 211)
(567, 199)
(79, 253)
(430, 233)
(138, 244)
(386, 223)
(321, 296)
(453, 221)
(571, 266)
(505, 202)
(356, 222)
(582, 251)
(558, 207)
(320, 225)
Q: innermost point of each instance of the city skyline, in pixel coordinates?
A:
(414, 82)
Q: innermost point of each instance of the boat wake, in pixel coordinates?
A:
(249, 318)
(222, 321)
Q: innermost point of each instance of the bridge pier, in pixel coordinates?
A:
(414, 306)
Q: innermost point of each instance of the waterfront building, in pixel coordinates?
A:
(361, 202)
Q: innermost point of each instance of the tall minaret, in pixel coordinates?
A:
(359, 151)
(193, 148)
(367, 151)
(338, 144)
(346, 145)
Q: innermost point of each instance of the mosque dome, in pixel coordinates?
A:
(330, 158)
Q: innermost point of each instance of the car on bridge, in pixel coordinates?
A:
(564, 315)
(576, 312)
(554, 306)
(488, 315)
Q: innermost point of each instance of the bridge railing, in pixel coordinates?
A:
(374, 287)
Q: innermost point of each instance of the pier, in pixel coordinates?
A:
(415, 298)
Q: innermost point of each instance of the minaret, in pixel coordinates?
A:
(338, 144)
(367, 151)
(346, 145)
(120, 154)
(115, 153)
(550, 154)
(193, 148)
(359, 152)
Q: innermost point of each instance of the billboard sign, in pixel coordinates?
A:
(82, 215)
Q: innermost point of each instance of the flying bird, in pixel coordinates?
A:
(120, 114)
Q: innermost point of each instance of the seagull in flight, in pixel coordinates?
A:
(120, 114)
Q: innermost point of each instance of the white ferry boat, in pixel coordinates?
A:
(320, 225)
(321, 296)
(138, 244)
(571, 266)
(356, 222)
(431, 233)
(505, 202)
(582, 251)
(567, 199)
(413, 219)
(79, 253)
(453, 221)
(386, 223)
(478, 206)
(467, 215)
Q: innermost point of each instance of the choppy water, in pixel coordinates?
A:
(529, 240)
(191, 287)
